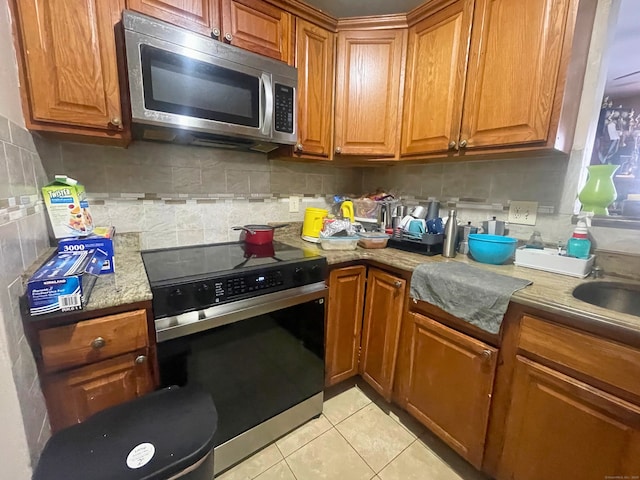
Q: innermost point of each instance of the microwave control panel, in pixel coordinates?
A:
(283, 108)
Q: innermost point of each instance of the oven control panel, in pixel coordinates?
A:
(200, 294)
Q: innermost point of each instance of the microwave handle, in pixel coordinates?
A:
(268, 111)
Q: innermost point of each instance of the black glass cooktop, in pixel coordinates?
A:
(170, 264)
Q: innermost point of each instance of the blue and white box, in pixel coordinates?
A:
(102, 238)
(64, 282)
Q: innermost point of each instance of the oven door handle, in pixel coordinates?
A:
(232, 312)
(265, 81)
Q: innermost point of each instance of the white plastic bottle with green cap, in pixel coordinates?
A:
(579, 245)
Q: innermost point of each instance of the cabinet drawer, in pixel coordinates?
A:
(93, 340)
(609, 362)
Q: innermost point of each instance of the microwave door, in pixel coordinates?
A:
(181, 88)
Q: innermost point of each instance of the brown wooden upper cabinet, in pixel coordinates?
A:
(250, 24)
(68, 69)
(488, 75)
(315, 59)
(369, 70)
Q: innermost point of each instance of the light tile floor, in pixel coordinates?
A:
(358, 437)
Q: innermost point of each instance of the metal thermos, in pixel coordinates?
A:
(433, 210)
(450, 235)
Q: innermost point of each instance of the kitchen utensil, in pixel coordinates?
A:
(492, 249)
(347, 210)
(400, 211)
(257, 234)
(433, 210)
(435, 225)
(450, 235)
(417, 226)
(312, 225)
(463, 237)
(418, 212)
(385, 215)
(373, 239)
(494, 227)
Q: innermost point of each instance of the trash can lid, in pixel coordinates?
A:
(153, 437)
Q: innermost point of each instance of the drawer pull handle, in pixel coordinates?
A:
(98, 343)
(140, 359)
(486, 355)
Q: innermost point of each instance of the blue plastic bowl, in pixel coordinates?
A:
(493, 249)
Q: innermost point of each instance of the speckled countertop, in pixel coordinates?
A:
(549, 292)
(128, 284)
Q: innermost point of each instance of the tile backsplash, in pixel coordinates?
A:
(23, 238)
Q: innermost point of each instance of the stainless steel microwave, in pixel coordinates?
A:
(188, 88)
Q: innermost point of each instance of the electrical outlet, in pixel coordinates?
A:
(294, 204)
(523, 213)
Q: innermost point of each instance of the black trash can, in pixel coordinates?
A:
(165, 434)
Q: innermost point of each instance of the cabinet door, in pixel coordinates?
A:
(70, 64)
(258, 26)
(450, 385)
(344, 323)
(559, 428)
(436, 71)
(77, 394)
(368, 87)
(315, 55)
(516, 50)
(381, 330)
(201, 16)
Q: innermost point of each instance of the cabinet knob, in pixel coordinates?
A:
(486, 355)
(115, 122)
(299, 147)
(98, 343)
(452, 145)
(463, 144)
(228, 37)
(215, 33)
(140, 359)
(338, 150)
(397, 284)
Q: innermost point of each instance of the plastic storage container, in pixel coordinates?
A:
(165, 434)
(373, 239)
(339, 243)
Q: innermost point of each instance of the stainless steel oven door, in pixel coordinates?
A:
(262, 362)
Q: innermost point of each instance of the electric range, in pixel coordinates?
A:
(246, 324)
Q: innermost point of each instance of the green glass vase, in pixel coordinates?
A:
(599, 191)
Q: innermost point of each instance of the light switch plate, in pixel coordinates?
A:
(523, 213)
(294, 204)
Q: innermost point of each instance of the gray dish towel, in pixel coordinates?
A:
(477, 296)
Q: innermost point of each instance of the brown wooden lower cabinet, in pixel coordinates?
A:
(450, 381)
(381, 330)
(75, 395)
(559, 428)
(344, 323)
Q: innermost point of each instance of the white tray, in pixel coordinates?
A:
(549, 261)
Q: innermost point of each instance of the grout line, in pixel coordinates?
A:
(290, 469)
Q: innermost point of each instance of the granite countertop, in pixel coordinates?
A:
(128, 284)
(549, 292)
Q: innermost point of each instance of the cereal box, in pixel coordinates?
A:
(68, 208)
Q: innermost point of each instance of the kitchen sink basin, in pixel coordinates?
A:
(620, 297)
